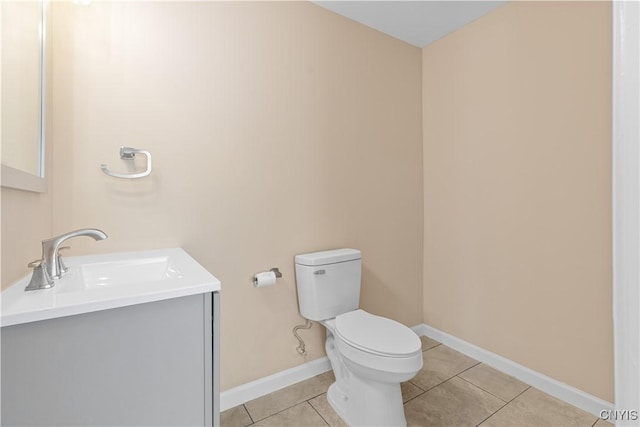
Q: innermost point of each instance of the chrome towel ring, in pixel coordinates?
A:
(128, 153)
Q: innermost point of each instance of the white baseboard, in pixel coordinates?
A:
(252, 390)
(555, 388)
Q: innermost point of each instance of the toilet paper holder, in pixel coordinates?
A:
(274, 270)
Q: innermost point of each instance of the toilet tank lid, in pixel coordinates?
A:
(328, 257)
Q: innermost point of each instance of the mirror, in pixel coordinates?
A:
(22, 47)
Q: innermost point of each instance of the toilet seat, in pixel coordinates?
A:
(376, 335)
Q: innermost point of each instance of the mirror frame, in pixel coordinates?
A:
(16, 178)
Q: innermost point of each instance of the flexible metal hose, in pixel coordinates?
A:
(301, 348)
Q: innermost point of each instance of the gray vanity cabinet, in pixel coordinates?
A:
(148, 364)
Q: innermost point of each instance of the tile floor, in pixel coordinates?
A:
(450, 390)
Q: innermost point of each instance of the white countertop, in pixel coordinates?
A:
(139, 277)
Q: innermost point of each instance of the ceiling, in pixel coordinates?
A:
(415, 22)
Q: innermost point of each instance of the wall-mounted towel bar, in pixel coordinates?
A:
(128, 153)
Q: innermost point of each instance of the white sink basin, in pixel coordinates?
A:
(100, 282)
(99, 275)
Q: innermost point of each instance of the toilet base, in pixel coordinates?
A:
(366, 404)
(338, 401)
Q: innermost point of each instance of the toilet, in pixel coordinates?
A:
(370, 355)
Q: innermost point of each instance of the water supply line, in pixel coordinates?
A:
(301, 348)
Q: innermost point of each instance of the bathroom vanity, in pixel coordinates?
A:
(123, 339)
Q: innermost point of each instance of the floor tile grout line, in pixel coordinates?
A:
(276, 413)
(317, 412)
(491, 415)
(247, 411)
(486, 391)
(414, 397)
(299, 403)
(416, 385)
(319, 394)
(431, 348)
(282, 410)
(483, 389)
(441, 382)
(470, 367)
(447, 379)
(431, 388)
(519, 394)
(505, 405)
(596, 421)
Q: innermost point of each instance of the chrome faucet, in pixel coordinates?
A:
(51, 262)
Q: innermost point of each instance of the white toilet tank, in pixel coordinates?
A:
(328, 283)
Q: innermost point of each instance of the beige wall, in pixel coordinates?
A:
(517, 140)
(285, 128)
(275, 129)
(26, 220)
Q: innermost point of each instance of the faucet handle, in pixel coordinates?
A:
(35, 263)
(61, 267)
(40, 278)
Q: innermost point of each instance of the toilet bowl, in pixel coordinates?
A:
(370, 355)
(369, 363)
